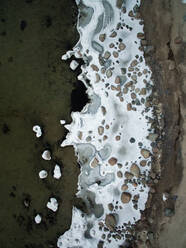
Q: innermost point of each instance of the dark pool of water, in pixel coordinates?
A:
(35, 88)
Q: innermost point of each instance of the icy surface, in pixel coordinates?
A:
(52, 204)
(57, 172)
(43, 174)
(109, 134)
(37, 130)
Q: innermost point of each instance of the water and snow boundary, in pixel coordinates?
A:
(112, 135)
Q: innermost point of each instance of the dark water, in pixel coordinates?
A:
(35, 88)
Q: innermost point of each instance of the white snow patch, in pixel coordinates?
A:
(74, 64)
(37, 130)
(43, 174)
(57, 172)
(53, 204)
(46, 155)
(38, 219)
(62, 122)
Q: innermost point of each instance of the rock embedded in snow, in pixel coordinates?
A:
(125, 197)
(134, 169)
(100, 130)
(102, 37)
(43, 174)
(145, 153)
(46, 155)
(74, 64)
(37, 130)
(38, 219)
(52, 204)
(110, 222)
(107, 55)
(112, 161)
(57, 172)
(122, 46)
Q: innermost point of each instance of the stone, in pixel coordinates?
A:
(143, 163)
(124, 187)
(143, 91)
(115, 54)
(134, 169)
(94, 67)
(129, 106)
(152, 137)
(110, 222)
(100, 130)
(97, 77)
(125, 197)
(117, 80)
(114, 34)
(111, 45)
(110, 206)
(119, 174)
(169, 212)
(94, 163)
(134, 63)
(145, 153)
(119, 3)
(102, 37)
(109, 73)
(103, 109)
(140, 35)
(128, 175)
(122, 46)
(107, 55)
(112, 161)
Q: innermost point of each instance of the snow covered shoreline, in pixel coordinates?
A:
(110, 134)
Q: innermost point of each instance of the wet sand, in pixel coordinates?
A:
(35, 88)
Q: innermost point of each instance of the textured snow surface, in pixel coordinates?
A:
(109, 134)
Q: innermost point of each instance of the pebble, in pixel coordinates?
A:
(119, 3)
(122, 46)
(134, 169)
(111, 45)
(145, 153)
(125, 197)
(129, 106)
(97, 77)
(114, 34)
(134, 63)
(119, 174)
(110, 222)
(128, 175)
(112, 161)
(117, 80)
(143, 91)
(102, 37)
(152, 137)
(100, 130)
(110, 206)
(124, 187)
(94, 163)
(108, 73)
(115, 54)
(143, 163)
(94, 67)
(169, 212)
(140, 35)
(107, 55)
(103, 109)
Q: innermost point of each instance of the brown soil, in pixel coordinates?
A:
(165, 29)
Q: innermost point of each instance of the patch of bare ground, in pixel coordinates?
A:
(163, 224)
